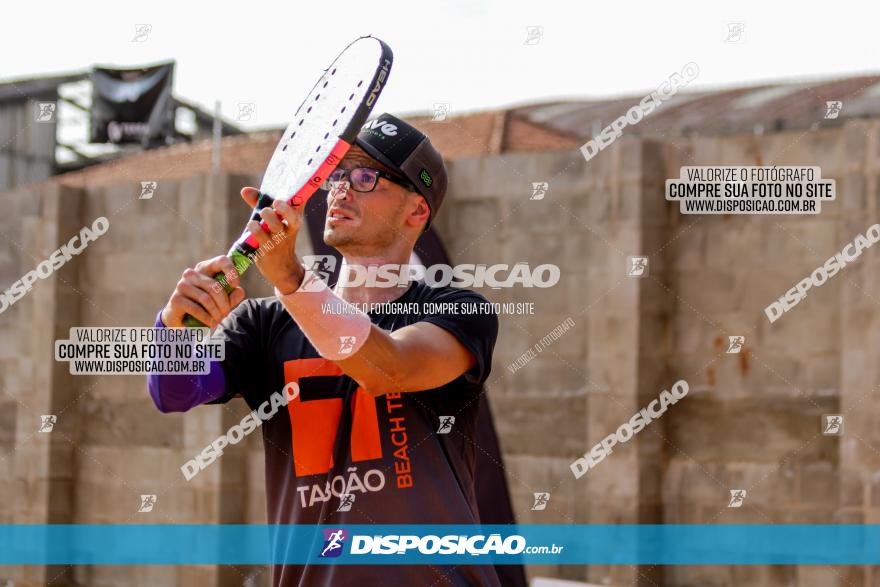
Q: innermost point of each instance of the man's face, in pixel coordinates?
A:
(366, 219)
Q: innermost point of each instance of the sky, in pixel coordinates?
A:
(470, 54)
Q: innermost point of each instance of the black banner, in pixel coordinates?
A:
(133, 105)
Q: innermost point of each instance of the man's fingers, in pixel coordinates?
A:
(291, 215)
(250, 196)
(221, 264)
(236, 297)
(272, 220)
(202, 298)
(193, 309)
(215, 290)
(227, 267)
(255, 229)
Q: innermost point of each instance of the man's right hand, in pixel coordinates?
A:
(200, 295)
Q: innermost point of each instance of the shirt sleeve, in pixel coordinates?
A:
(244, 362)
(179, 393)
(473, 323)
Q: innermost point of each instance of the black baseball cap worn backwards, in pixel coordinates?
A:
(409, 152)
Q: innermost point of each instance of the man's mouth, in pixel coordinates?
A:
(338, 214)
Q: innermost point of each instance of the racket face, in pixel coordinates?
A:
(324, 127)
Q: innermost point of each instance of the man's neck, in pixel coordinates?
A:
(373, 294)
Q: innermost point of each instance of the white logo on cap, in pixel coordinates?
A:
(383, 127)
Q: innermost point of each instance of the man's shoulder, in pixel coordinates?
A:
(258, 305)
(423, 292)
(455, 304)
(260, 310)
(267, 303)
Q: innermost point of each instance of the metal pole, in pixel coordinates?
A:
(218, 133)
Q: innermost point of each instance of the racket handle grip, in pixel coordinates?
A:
(191, 322)
(241, 262)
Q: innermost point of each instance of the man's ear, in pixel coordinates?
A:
(421, 212)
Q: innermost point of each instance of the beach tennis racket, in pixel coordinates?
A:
(322, 131)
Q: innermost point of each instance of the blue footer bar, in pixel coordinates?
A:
(431, 544)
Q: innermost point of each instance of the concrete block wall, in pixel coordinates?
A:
(110, 444)
(751, 420)
(594, 377)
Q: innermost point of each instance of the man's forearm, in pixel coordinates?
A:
(346, 336)
(179, 393)
(336, 328)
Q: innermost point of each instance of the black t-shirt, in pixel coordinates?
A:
(335, 439)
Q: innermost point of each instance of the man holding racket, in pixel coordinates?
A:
(359, 444)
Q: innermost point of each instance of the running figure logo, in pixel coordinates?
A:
(320, 267)
(346, 500)
(533, 35)
(245, 111)
(46, 112)
(446, 423)
(142, 32)
(832, 425)
(338, 189)
(735, 344)
(638, 267)
(541, 500)
(148, 188)
(333, 541)
(539, 190)
(47, 423)
(735, 32)
(737, 496)
(346, 344)
(441, 111)
(832, 109)
(147, 503)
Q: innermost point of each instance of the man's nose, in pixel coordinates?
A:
(340, 191)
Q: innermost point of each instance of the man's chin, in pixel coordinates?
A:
(335, 237)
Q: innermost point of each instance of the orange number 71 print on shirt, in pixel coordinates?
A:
(314, 422)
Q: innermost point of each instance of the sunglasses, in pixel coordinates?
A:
(363, 179)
